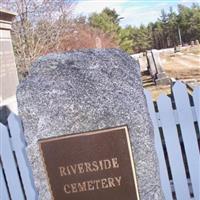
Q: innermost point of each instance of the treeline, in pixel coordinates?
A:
(44, 26)
(171, 29)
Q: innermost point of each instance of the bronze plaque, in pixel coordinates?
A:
(95, 165)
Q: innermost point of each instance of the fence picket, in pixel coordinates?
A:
(9, 165)
(196, 98)
(167, 118)
(4, 192)
(158, 145)
(188, 134)
(173, 148)
(18, 141)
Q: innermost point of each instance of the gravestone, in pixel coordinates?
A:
(88, 131)
(197, 42)
(98, 42)
(161, 77)
(177, 49)
(151, 65)
(8, 70)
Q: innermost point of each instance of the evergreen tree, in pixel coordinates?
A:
(107, 21)
(126, 39)
(161, 34)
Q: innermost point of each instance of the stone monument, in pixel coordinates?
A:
(8, 71)
(98, 42)
(197, 42)
(161, 77)
(151, 65)
(67, 101)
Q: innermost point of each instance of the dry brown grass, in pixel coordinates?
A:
(183, 65)
(85, 36)
(193, 50)
(184, 74)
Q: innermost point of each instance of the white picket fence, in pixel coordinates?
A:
(16, 181)
(176, 132)
(173, 128)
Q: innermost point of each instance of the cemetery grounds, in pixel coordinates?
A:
(183, 65)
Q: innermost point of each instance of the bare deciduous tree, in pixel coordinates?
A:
(84, 36)
(38, 26)
(44, 26)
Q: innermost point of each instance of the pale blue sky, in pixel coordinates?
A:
(135, 12)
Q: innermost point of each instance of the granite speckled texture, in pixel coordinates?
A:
(82, 91)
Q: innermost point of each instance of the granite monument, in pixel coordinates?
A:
(79, 92)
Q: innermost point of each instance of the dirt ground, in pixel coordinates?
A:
(183, 65)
